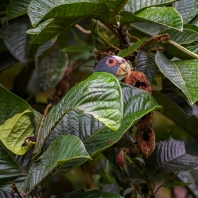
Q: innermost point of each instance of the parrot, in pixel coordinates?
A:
(113, 64)
(118, 66)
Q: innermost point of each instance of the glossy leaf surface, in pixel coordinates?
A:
(64, 149)
(100, 95)
(45, 9)
(17, 8)
(169, 157)
(15, 38)
(181, 73)
(134, 5)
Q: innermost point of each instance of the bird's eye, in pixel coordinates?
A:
(111, 62)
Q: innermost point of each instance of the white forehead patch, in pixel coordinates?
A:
(119, 59)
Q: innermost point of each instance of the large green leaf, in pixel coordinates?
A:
(93, 133)
(187, 36)
(167, 16)
(188, 9)
(50, 29)
(79, 48)
(10, 105)
(169, 157)
(146, 64)
(100, 95)
(39, 10)
(17, 8)
(64, 149)
(125, 52)
(15, 38)
(134, 5)
(88, 194)
(51, 69)
(176, 114)
(181, 73)
(15, 130)
(12, 169)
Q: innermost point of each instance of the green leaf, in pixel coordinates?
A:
(146, 64)
(88, 194)
(187, 9)
(43, 50)
(187, 36)
(39, 10)
(17, 8)
(134, 5)
(166, 16)
(93, 133)
(114, 7)
(193, 49)
(11, 105)
(11, 169)
(125, 52)
(15, 130)
(7, 194)
(15, 38)
(40, 27)
(78, 39)
(178, 51)
(176, 114)
(181, 73)
(51, 69)
(195, 21)
(173, 184)
(51, 29)
(64, 149)
(169, 157)
(134, 176)
(78, 48)
(100, 95)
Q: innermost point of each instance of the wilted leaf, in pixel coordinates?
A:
(181, 73)
(169, 157)
(64, 149)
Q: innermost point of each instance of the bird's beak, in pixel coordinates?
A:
(124, 69)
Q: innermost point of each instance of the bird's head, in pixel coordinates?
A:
(114, 65)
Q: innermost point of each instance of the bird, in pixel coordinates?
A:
(113, 64)
(118, 66)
